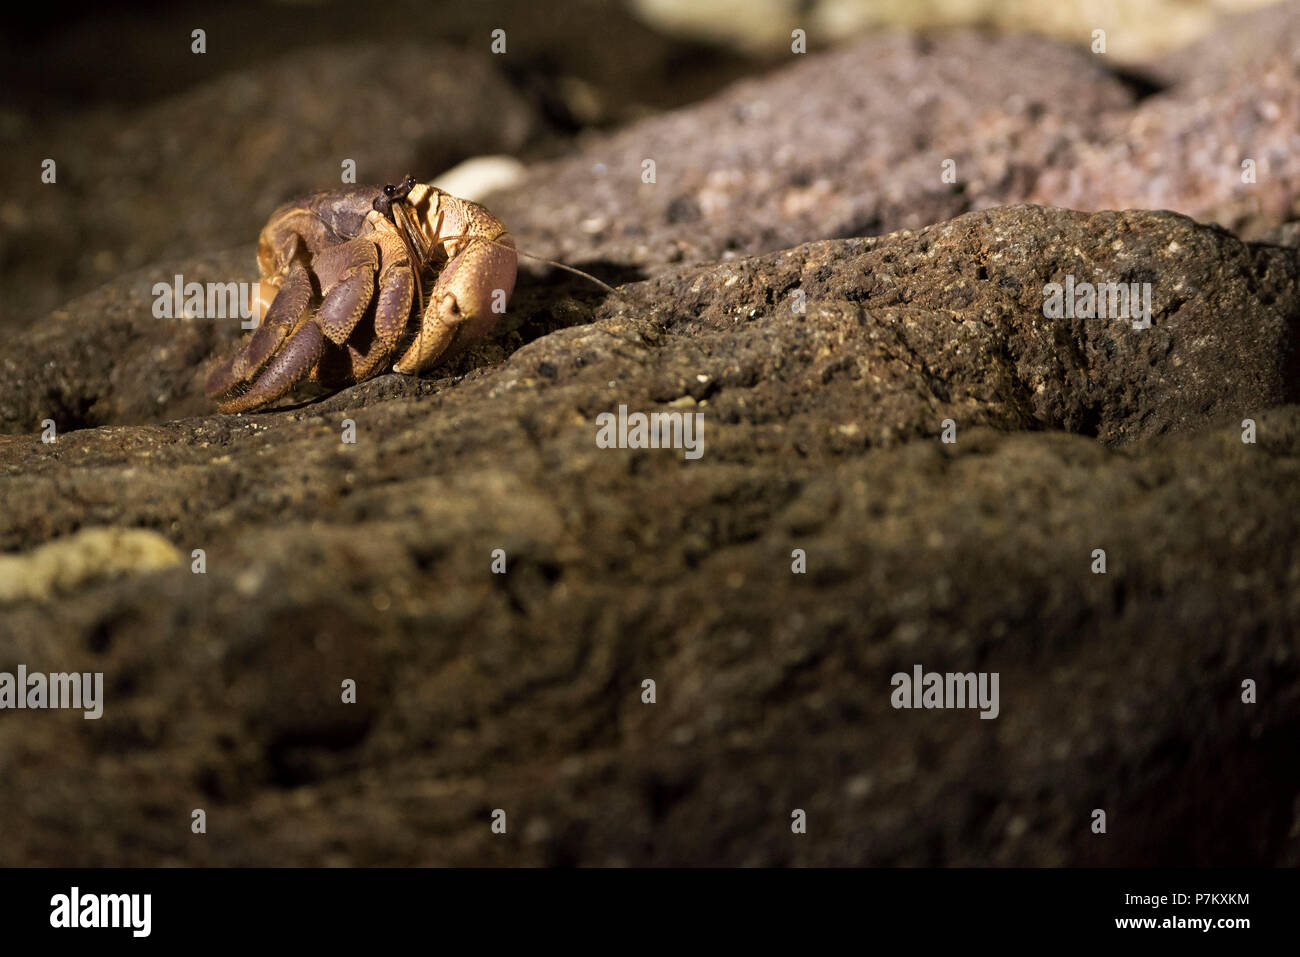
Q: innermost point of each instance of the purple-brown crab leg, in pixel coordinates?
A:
(288, 308)
(354, 264)
(302, 350)
(349, 273)
(361, 360)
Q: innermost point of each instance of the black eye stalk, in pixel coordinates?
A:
(393, 194)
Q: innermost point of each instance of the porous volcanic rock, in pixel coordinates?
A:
(945, 321)
(323, 561)
(903, 131)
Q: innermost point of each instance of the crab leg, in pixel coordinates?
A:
(392, 314)
(288, 308)
(302, 350)
(396, 287)
(348, 297)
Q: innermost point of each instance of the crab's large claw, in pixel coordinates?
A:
(469, 296)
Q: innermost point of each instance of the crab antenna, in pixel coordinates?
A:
(410, 232)
(552, 262)
(549, 262)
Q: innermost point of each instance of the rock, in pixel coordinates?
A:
(857, 142)
(480, 176)
(371, 562)
(1134, 32)
(105, 358)
(945, 322)
(848, 143)
(738, 174)
(69, 564)
(960, 307)
(1220, 151)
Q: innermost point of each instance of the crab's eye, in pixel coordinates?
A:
(390, 190)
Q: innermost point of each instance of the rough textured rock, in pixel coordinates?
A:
(371, 561)
(104, 358)
(849, 143)
(1186, 149)
(523, 692)
(947, 321)
(854, 143)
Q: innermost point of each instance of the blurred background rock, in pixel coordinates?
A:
(411, 86)
(1140, 29)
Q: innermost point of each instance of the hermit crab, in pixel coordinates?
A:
(356, 281)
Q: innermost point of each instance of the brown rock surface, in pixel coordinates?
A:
(853, 143)
(327, 561)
